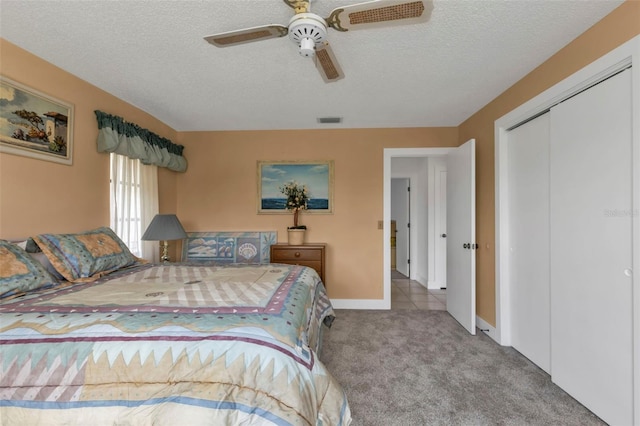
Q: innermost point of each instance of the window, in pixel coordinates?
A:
(134, 203)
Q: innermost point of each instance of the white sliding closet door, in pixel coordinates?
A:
(528, 218)
(590, 223)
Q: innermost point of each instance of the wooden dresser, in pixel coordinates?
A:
(311, 254)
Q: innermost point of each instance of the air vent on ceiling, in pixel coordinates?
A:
(329, 120)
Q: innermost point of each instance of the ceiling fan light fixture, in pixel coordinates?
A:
(308, 31)
(307, 47)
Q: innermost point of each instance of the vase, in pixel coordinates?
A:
(295, 236)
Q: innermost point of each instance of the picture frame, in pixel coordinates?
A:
(34, 124)
(316, 175)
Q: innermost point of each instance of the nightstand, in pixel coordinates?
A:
(311, 255)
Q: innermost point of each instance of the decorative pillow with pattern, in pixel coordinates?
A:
(86, 256)
(19, 272)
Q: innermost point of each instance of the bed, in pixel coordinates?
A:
(185, 343)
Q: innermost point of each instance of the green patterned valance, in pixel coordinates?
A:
(116, 135)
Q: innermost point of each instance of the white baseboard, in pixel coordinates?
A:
(360, 304)
(434, 285)
(487, 328)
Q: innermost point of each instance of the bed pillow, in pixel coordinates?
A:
(44, 261)
(30, 246)
(86, 256)
(34, 251)
(19, 272)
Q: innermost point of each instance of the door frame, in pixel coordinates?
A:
(388, 154)
(627, 54)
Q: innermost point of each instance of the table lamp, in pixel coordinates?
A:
(164, 227)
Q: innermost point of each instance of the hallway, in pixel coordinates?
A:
(409, 294)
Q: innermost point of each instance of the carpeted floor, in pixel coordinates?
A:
(417, 367)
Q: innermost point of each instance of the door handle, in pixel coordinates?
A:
(444, 235)
(465, 245)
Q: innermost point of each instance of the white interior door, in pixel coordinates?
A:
(461, 235)
(400, 213)
(591, 242)
(441, 227)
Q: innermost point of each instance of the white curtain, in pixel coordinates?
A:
(134, 203)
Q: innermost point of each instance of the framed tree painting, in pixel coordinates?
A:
(317, 176)
(34, 124)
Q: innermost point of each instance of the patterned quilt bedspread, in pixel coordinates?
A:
(176, 344)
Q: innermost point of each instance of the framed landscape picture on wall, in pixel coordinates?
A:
(33, 124)
(317, 176)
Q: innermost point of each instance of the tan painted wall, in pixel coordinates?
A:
(219, 192)
(618, 27)
(40, 196)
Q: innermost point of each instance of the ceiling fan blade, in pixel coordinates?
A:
(380, 13)
(247, 35)
(327, 64)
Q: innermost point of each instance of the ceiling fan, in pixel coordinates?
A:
(309, 31)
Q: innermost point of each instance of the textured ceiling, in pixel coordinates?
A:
(152, 55)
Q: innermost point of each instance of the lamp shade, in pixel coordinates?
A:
(164, 227)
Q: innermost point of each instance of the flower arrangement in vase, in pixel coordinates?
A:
(297, 199)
